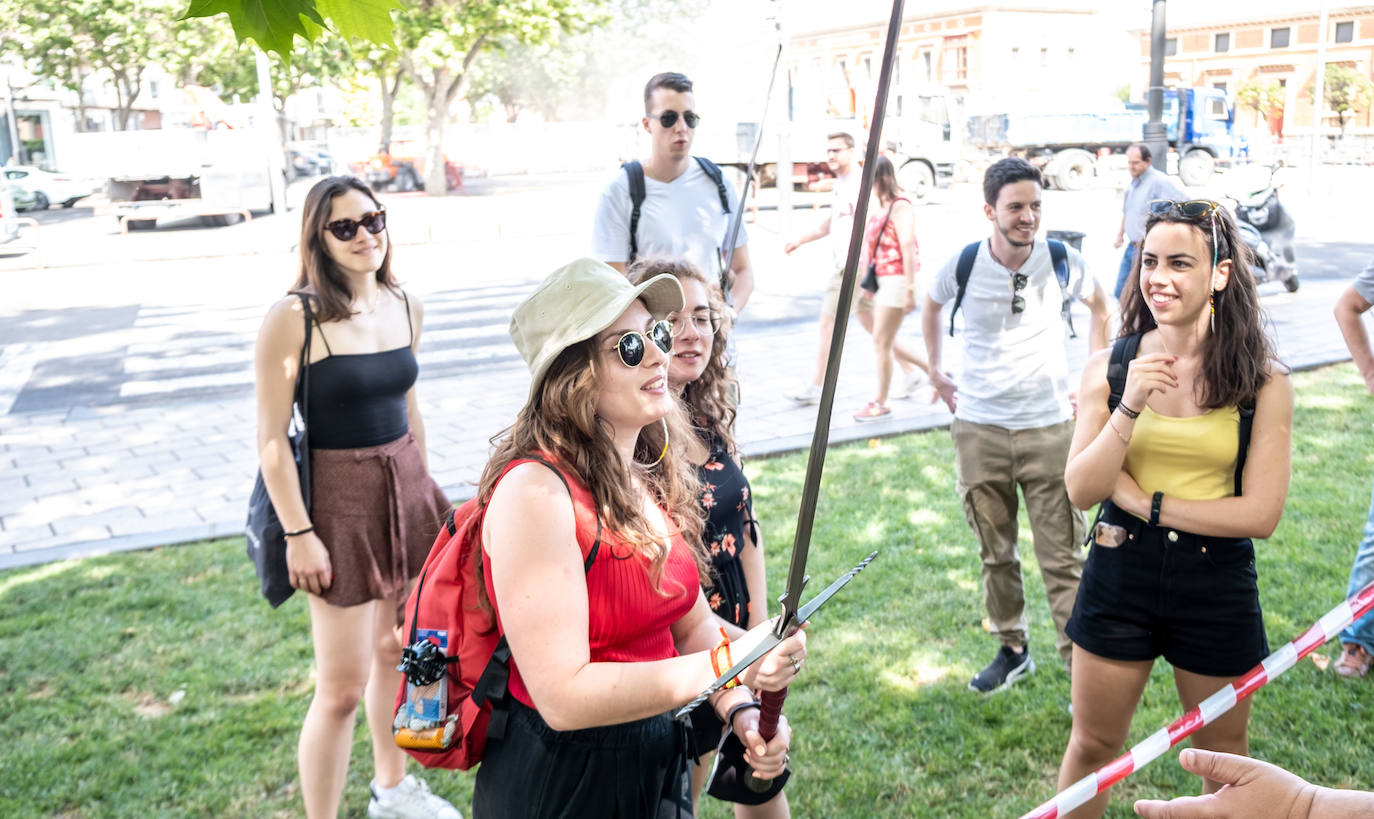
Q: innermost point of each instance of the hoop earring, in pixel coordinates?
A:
(664, 453)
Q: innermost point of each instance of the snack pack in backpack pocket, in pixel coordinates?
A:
(456, 665)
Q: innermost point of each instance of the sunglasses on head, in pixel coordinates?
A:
(669, 118)
(631, 346)
(706, 323)
(1018, 283)
(1193, 208)
(345, 229)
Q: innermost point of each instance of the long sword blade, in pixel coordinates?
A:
(737, 218)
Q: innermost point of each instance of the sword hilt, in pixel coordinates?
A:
(770, 708)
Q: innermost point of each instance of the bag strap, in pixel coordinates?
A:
(634, 174)
(302, 396)
(962, 271)
(873, 251)
(1247, 420)
(713, 171)
(1123, 352)
(1059, 258)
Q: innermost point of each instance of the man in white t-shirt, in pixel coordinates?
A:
(838, 224)
(1013, 409)
(682, 215)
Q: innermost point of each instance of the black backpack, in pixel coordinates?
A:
(1124, 350)
(634, 171)
(1059, 257)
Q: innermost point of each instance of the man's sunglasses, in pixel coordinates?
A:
(707, 323)
(669, 118)
(1018, 283)
(345, 229)
(631, 345)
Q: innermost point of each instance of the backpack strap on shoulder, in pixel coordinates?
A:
(634, 174)
(1123, 352)
(1059, 258)
(713, 171)
(962, 271)
(1247, 420)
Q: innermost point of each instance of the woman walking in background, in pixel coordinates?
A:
(374, 508)
(890, 247)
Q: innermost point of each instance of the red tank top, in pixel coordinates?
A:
(628, 617)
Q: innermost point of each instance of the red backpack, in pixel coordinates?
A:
(454, 693)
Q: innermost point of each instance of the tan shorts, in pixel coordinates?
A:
(891, 292)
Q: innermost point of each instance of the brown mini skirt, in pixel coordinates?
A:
(378, 511)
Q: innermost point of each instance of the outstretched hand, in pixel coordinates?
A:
(779, 667)
(1251, 788)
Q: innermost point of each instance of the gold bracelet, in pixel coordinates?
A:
(1124, 440)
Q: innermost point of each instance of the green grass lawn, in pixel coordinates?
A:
(158, 683)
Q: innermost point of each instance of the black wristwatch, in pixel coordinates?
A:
(1155, 503)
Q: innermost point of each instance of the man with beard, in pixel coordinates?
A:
(1013, 412)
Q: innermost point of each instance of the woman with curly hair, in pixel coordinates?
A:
(591, 560)
(1184, 435)
(737, 592)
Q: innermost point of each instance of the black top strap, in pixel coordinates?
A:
(1247, 420)
(409, 322)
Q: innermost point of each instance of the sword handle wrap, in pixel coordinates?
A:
(770, 708)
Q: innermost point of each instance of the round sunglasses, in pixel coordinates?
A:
(344, 230)
(669, 118)
(631, 346)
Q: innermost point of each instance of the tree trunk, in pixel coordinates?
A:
(436, 183)
(79, 78)
(391, 86)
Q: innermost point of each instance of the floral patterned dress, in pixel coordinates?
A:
(726, 501)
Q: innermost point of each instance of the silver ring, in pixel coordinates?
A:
(796, 664)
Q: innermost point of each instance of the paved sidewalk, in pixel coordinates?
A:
(99, 479)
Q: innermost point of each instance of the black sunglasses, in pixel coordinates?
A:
(709, 320)
(631, 345)
(345, 229)
(1018, 283)
(669, 118)
(1193, 208)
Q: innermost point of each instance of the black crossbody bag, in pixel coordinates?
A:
(264, 532)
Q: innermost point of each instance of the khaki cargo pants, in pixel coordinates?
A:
(991, 462)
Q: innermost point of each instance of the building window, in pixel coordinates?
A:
(1170, 46)
(1345, 32)
(1221, 43)
(929, 68)
(1218, 106)
(961, 61)
(1278, 37)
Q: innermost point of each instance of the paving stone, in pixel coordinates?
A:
(25, 537)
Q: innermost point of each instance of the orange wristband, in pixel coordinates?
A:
(717, 666)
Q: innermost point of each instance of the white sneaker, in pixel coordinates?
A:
(411, 799)
(810, 394)
(907, 386)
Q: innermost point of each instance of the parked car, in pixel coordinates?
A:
(306, 159)
(400, 166)
(9, 228)
(47, 188)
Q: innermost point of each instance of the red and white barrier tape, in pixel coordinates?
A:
(1154, 746)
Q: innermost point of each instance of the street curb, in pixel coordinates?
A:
(460, 493)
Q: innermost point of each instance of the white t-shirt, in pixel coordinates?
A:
(1016, 370)
(681, 219)
(843, 202)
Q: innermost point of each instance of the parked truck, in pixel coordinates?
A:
(1199, 125)
(221, 176)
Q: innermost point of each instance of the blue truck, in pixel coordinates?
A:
(1199, 123)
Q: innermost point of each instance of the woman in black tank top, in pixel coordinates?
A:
(373, 509)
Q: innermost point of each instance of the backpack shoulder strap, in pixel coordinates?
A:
(1059, 257)
(713, 170)
(634, 173)
(1123, 352)
(1247, 420)
(962, 271)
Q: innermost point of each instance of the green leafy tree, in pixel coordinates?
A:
(67, 41)
(1346, 90)
(275, 24)
(1263, 96)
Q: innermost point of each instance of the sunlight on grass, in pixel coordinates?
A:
(915, 673)
(22, 577)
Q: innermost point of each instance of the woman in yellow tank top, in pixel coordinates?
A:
(1171, 571)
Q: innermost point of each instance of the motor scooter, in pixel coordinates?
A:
(1267, 228)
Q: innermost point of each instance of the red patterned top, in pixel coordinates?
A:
(628, 617)
(889, 252)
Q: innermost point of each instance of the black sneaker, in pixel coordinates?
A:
(1006, 668)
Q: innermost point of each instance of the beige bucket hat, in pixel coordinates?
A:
(576, 302)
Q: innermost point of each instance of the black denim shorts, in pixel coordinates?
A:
(635, 770)
(1192, 599)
